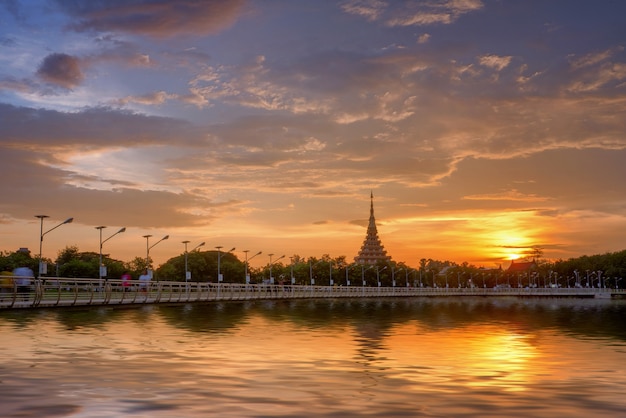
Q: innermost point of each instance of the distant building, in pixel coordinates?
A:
(372, 251)
(521, 266)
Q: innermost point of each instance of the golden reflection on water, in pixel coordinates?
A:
(475, 356)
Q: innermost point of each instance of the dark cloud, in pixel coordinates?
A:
(92, 126)
(7, 41)
(12, 6)
(155, 18)
(62, 70)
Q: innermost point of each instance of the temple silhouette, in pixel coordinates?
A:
(372, 251)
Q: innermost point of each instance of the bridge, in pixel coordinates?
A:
(64, 292)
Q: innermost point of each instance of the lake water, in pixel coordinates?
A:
(420, 357)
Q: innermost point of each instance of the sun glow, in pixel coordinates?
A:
(513, 235)
(493, 356)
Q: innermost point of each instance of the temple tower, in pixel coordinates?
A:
(372, 250)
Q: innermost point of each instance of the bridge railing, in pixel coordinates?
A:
(53, 291)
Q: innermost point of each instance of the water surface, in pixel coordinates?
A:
(431, 357)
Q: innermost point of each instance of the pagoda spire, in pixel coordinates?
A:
(372, 251)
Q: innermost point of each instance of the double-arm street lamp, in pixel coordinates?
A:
(187, 272)
(378, 274)
(149, 247)
(43, 267)
(271, 264)
(407, 271)
(363, 273)
(311, 270)
(219, 258)
(246, 264)
(347, 266)
(393, 275)
(102, 271)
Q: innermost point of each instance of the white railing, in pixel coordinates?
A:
(52, 292)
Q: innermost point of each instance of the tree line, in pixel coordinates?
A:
(607, 269)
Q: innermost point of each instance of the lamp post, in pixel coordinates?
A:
(101, 268)
(272, 278)
(330, 272)
(246, 264)
(407, 271)
(187, 272)
(347, 278)
(393, 276)
(149, 247)
(363, 273)
(219, 259)
(43, 267)
(378, 274)
(311, 270)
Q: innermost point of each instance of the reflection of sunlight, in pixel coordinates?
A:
(478, 356)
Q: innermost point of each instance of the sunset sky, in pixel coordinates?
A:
(482, 127)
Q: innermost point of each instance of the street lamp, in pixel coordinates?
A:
(347, 278)
(311, 270)
(407, 271)
(393, 275)
(219, 257)
(246, 264)
(378, 274)
(271, 264)
(149, 247)
(43, 268)
(102, 271)
(363, 273)
(187, 272)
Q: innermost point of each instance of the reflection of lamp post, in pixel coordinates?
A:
(149, 247)
(271, 264)
(101, 269)
(42, 269)
(187, 272)
(219, 257)
(246, 264)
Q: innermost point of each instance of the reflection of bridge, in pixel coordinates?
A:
(53, 292)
